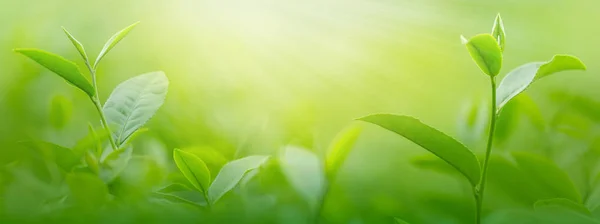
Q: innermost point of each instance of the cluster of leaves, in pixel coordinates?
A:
(89, 171)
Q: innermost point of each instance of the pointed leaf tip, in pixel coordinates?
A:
(433, 140)
(66, 69)
(486, 53)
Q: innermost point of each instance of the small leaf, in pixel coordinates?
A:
(60, 111)
(231, 174)
(77, 45)
(498, 31)
(438, 143)
(193, 168)
(486, 53)
(114, 40)
(520, 78)
(134, 102)
(340, 148)
(562, 203)
(66, 69)
(304, 171)
(114, 163)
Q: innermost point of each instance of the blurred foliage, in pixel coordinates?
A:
(250, 77)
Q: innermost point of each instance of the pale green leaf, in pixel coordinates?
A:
(304, 171)
(114, 40)
(134, 102)
(486, 53)
(231, 174)
(498, 32)
(66, 69)
(193, 168)
(340, 148)
(520, 78)
(438, 143)
(77, 45)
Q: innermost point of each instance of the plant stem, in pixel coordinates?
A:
(479, 191)
(321, 203)
(208, 205)
(96, 100)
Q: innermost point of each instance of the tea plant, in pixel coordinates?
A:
(131, 104)
(312, 176)
(487, 52)
(198, 175)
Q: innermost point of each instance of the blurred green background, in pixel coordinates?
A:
(249, 77)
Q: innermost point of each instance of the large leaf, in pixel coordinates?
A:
(562, 203)
(134, 102)
(66, 69)
(548, 174)
(438, 143)
(304, 171)
(77, 45)
(231, 174)
(521, 77)
(486, 53)
(193, 168)
(340, 148)
(88, 191)
(114, 40)
(498, 32)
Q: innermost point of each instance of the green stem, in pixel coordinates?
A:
(321, 205)
(208, 205)
(479, 191)
(96, 100)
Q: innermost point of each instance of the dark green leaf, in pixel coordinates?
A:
(438, 143)
(486, 53)
(193, 168)
(114, 40)
(562, 203)
(66, 69)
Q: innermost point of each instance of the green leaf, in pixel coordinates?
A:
(66, 69)
(547, 174)
(486, 53)
(134, 102)
(520, 78)
(231, 174)
(340, 148)
(60, 111)
(498, 31)
(77, 45)
(400, 221)
(179, 193)
(114, 40)
(114, 163)
(64, 157)
(562, 203)
(87, 190)
(438, 143)
(304, 171)
(193, 168)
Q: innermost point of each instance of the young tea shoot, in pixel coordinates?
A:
(486, 50)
